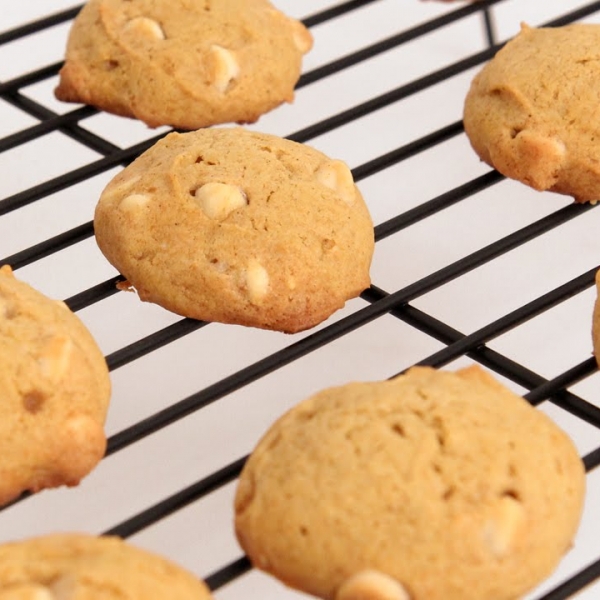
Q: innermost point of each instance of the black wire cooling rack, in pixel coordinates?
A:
(108, 502)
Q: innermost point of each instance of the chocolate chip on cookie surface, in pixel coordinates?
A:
(238, 227)
(77, 565)
(184, 63)
(54, 390)
(431, 486)
(532, 112)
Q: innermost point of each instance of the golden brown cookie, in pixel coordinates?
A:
(533, 112)
(185, 63)
(84, 567)
(238, 227)
(55, 391)
(431, 486)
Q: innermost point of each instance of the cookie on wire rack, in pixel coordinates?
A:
(55, 391)
(82, 566)
(431, 486)
(184, 63)
(238, 227)
(533, 114)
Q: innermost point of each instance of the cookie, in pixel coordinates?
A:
(80, 566)
(431, 486)
(238, 227)
(55, 390)
(532, 112)
(185, 63)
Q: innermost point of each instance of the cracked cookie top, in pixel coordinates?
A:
(238, 227)
(184, 63)
(533, 114)
(430, 486)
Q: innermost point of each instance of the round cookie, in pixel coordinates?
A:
(81, 567)
(185, 63)
(431, 486)
(532, 112)
(55, 390)
(238, 227)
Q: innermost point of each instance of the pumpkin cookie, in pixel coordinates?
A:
(532, 112)
(81, 566)
(185, 63)
(55, 391)
(238, 227)
(431, 486)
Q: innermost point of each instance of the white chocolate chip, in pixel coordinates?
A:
(218, 200)
(26, 591)
(55, 358)
(226, 67)
(257, 281)
(336, 176)
(134, 202)
(501, 529)
(291, 282)
(302, 38)
(147, 27)
(371, 585)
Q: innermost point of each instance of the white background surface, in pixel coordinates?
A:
(200, 537)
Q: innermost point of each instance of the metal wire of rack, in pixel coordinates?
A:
(567, 392)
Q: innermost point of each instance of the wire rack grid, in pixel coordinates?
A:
(468, 267)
